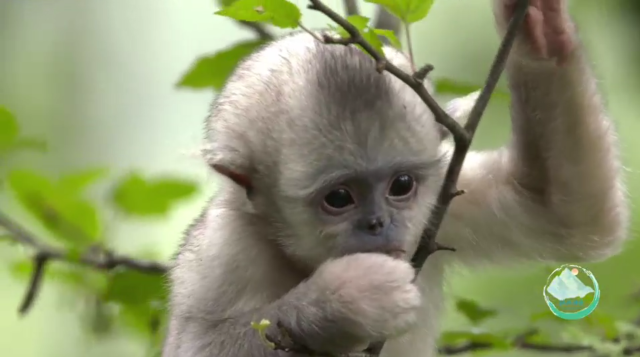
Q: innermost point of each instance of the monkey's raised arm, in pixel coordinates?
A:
(555, 191)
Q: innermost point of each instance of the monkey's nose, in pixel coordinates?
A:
(375, 225)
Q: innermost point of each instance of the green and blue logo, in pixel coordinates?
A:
(571, 292)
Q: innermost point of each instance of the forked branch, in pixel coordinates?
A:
(462, 136)
(45, 253)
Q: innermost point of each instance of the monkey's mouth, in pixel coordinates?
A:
(394, 252)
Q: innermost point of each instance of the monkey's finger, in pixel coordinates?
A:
(536, 32)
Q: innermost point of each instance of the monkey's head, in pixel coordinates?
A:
(336, 157)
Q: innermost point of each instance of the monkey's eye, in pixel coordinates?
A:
(401, 186)
(338, 201)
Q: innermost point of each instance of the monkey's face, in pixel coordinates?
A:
(380, 209)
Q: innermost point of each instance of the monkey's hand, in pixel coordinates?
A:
(548, 31)
(372, 294)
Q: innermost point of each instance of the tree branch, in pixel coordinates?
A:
(44, 253)
(461, 136)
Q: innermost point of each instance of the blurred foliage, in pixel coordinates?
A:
(136, 300)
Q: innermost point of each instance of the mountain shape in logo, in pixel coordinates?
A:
(568, 286)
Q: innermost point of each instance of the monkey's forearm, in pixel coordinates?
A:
(305, 317)
(564, 147)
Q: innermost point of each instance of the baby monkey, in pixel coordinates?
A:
(333, 170)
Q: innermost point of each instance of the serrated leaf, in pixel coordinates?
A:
(9, 129)
(473, 311)
(453, 87)
(281, 13)
(135, 195)
(389, 35)
(360, 22)
(373, 40)
(71, 218)
(76, 182)
(409, 11)
(213, 71)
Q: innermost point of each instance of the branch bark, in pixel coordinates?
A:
(45, 253)
(462, 136)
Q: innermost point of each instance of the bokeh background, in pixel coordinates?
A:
(97, 81)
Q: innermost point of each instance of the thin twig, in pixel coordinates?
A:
(449, 190)
(462, 136)
(105, 261)
(39, 263)
(381, 63)
(44, 253)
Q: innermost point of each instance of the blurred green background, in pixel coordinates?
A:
(97, 81)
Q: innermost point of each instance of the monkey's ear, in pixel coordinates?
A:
(231, 166)
(241, 179)
(459, 109)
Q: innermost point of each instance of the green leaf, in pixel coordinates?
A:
(359, 21)
(544, 316)
(373, 40)
(135, 195)
(71, 218)
(474, 312)
(261, 327)
(409, 11)
(390, 35)
(538, 337)
(281, 13)
(453, 87)
(76, 182)
(485, 338)
(131, 287)
(9, 129)
(225, 3)
(213, 71)
(603, 323)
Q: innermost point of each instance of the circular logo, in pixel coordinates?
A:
(571, 292)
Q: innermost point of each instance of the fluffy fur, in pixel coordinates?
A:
(296, 114)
